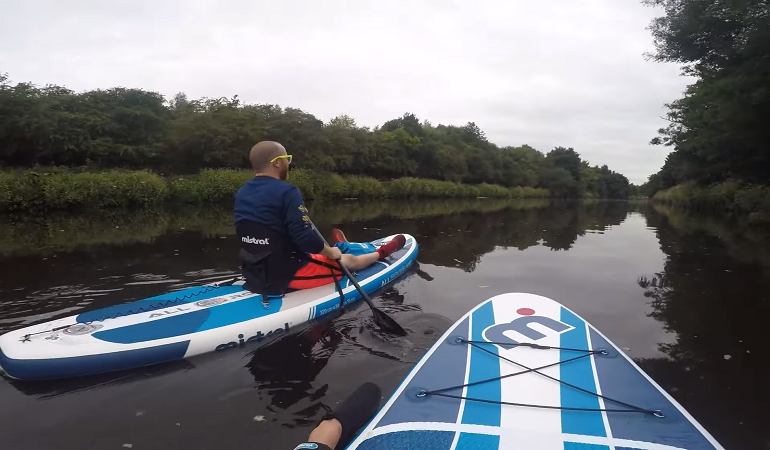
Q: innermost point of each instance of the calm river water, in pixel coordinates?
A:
(686, 297)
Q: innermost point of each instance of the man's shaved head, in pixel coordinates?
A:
(261, 154)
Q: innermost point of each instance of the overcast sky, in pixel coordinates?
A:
(547, 73)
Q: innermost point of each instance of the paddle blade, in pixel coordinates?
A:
(387, 323)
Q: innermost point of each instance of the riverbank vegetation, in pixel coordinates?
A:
(66, 189)
(752, 201)
(132, 129)
(718, 130)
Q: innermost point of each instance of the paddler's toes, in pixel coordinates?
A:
(356, 410)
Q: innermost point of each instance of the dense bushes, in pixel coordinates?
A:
(315, 185)
(209, 186)
(64, 189)
(24, 190)
(416, 187)
(422, 188)
(136, 129)
(752, 200)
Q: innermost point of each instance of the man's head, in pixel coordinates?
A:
(269, 158)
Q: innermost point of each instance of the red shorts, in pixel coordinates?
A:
(316, 273)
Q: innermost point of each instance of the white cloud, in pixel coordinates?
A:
(542, 73)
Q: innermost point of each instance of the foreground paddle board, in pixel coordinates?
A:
(427, 413)
(179, 324)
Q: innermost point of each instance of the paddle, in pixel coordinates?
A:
(380, 318)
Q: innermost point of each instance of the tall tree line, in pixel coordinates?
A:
(133, 128)
(719, 130)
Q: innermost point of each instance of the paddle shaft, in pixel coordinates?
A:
(382, 319)
(345, 269)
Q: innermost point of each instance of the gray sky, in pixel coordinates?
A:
(558, 72)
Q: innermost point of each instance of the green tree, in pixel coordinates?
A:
(132, 128)
(559, 182)
(591, 181)
(390, 156)
(718, 129)
(520, 165)
(616, 185)
(567, 159)
(409, 122)
(348, 147)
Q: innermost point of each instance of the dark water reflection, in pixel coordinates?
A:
(714, 294)
(685, 296)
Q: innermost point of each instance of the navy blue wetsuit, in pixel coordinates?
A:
(278, 206)
(275, 233)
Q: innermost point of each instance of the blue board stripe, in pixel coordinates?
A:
(188, 321)
(443, 368)
(621, 380)
(483, 366)
(474, 441)
(581, 446)
(166, 300)
(239, 311)
(580, 373)
(412, 439)
(45, 369)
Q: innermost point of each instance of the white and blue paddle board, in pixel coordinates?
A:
(521, 371)
(179, 324)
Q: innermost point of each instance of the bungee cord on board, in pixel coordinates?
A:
(587, 353)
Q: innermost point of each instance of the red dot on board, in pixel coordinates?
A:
(525, 311)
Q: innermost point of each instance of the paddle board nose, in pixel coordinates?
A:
(523, 371)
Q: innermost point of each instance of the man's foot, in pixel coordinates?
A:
(338, 235)
(397, 243)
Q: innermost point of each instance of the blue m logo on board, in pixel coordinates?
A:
(502, 334)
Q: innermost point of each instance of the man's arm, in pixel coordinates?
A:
(298, 224)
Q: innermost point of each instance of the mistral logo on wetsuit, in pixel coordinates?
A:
(251, 240)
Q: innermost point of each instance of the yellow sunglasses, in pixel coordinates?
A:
(286, 157)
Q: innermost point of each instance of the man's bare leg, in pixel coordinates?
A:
(358, 262)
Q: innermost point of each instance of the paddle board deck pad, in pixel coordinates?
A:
(179, 324)
(521, 371)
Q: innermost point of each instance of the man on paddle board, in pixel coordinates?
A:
(279, 248)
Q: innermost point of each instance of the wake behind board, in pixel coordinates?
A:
(179, 324)
(521, 371)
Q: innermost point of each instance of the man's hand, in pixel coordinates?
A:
(332, 253)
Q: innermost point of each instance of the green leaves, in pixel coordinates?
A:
(751, 201)
(709, 36)
(124, 128)
(62, 189)
(718, 130)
